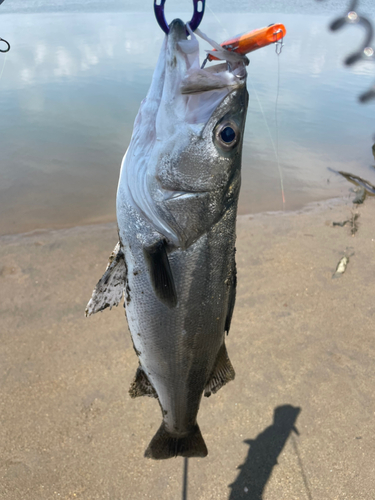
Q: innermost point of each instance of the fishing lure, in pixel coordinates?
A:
(254, 40)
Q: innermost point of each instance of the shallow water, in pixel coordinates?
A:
(71, 86)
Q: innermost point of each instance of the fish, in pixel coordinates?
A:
(175, 260)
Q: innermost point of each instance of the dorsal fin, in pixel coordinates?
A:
(110, 288)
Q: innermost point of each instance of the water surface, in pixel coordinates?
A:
(72, 83)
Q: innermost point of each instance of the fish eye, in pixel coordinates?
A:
(227, 135)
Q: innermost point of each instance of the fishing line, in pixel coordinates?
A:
(275, 147)
(271, 138)
(2, 70)
(218, 20)
(277, 126)
(185, 480)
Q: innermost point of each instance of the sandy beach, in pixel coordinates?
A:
(297, 423)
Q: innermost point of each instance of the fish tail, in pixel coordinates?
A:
(165, 445)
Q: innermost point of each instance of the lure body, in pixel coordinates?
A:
(254, 40)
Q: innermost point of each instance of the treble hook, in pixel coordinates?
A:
(199, 6)
(8, 45)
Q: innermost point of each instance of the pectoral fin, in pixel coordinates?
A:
(161, 276)
(222, 373)
(110, 288)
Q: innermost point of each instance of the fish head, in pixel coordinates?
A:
(182, 168)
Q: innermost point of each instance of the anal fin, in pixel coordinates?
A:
(222, 373)
(141, 386)
(110, 288)
(160, 273)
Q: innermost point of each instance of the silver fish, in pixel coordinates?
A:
(175, 260)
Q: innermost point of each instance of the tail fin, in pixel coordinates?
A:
(164, 445)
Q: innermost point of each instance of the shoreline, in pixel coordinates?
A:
(309, 208)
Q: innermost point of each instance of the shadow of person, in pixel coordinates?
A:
(263, 453)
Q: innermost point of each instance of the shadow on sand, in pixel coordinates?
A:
(263, 453)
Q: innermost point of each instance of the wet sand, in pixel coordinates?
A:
(301, 342)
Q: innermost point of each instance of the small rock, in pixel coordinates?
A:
(341, 267)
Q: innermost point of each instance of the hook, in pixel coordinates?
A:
(195, 20)
(366, 50)
(8, 46)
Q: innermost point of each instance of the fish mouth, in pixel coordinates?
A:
(202, 88)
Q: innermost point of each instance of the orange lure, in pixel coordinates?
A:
(248, 42)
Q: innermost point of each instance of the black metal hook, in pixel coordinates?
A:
(366, 50)
(8, 45)
(195, 20)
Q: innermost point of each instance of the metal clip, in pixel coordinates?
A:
(278, 43)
